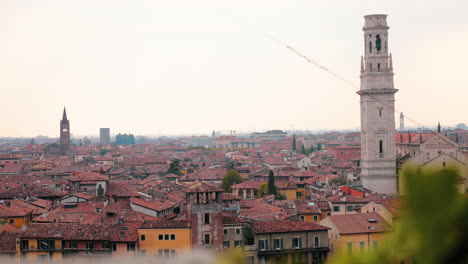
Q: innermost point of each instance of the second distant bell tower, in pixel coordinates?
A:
(378, 162)
(65, 133)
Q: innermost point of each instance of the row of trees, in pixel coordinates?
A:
(125, 139)
(305, 150)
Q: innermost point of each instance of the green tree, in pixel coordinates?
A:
(103, 152)
(431, 225)
(311, 148)
(262, 190)
(319, 147)
(174, 167)
(231, 178)
(294, 142)
(303, 150)
(271, 183)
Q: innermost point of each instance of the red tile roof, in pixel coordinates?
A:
(285, 226)
(203, 187)
(163, 224)
(359, 223)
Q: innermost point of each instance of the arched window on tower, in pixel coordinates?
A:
(378, 43)
(370, 46)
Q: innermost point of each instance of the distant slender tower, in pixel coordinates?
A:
(378, 163)
(402, 122)
(213, 134)
(104, 136)
(64, 133)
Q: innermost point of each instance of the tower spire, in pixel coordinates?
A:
(64, 117)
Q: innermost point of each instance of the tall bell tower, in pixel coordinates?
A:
(64, 133)
(378, 162)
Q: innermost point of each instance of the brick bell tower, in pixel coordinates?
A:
(205, 212)
(64, 133)
(378, 162)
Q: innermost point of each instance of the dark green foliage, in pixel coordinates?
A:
(174, 167)
(196, 147)
(303, 150)
(271, 184)
(125, 139)
(319, 147)
(262, 190)
(294, 142)
(231, 178)
(100, 191)
(432, 227)
(103, 152)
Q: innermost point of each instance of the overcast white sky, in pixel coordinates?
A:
(188, 67)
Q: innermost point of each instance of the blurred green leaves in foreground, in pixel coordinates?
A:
(433, 227)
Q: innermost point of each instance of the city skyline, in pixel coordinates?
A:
(129, 67)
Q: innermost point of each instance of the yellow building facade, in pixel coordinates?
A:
(164, 238)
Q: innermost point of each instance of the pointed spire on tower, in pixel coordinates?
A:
(64, 117)
(438, 128)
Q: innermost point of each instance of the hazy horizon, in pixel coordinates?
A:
(184, 67)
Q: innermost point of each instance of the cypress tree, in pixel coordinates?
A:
(271, 183)
(294, 142)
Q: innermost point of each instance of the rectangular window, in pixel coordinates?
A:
(24, 244)
(336, 208)
(166, 237)
(301, 217)
(73, 245)
(328, 214)
(315, 217)
(262, 244)
(207, 219)
(12, 221)
(143, 237)
(172, 236)
(361, 246)
(207, 239)
(106, 244)
(225, 244)
(296, 242)
(114, 247)
(380, 112)
(237, 243)
(161, 237)
(380, 146)
(278, 243)
(238, 231)
(166, 252)
(225, 231)
(90, 245)
(45, 244)
(316, 241)
(160, 252)
(349, 208)
(130, 247)
(349, 247)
